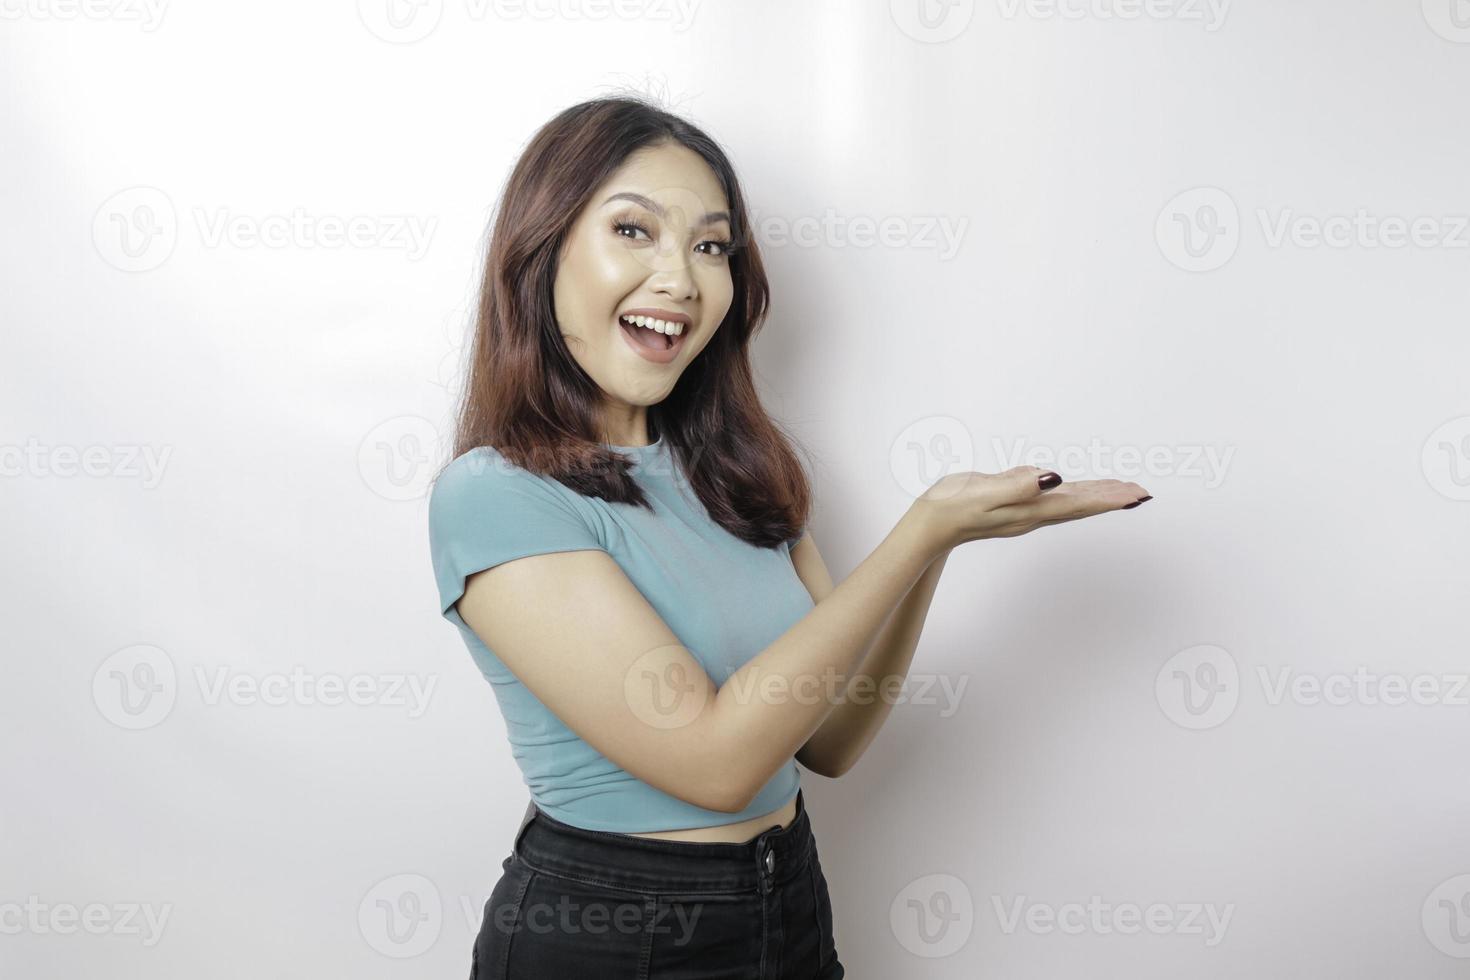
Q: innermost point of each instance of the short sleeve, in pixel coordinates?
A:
(484, 511)
(791, 542)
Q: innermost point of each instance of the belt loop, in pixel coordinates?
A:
(525, 822)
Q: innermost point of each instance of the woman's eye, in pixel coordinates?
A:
(714, 247)
(621, 226)
(723, 246)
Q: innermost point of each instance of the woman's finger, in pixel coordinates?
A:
(1071, 501)
(1029, 482)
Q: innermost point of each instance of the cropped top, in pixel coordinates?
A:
(725, 599)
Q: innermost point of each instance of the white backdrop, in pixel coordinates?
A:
(1218, 248)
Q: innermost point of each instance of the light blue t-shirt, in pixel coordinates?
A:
(726, 601)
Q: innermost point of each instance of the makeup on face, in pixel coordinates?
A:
(651, 261)
(657, 333)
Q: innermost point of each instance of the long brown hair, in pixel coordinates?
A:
(528, 398)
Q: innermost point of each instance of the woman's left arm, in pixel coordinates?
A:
(854, 720)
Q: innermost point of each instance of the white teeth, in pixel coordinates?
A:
(662, 326)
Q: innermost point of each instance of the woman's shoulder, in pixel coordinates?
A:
(480, 470)
(484, 475)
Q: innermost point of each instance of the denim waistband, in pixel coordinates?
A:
(644, 864)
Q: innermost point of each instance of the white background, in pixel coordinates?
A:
(1136, 189)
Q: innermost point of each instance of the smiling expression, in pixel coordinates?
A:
(651, 241)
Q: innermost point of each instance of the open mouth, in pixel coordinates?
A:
(650, 338)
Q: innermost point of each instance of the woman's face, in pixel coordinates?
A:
(650, 240)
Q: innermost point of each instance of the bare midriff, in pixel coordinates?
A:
(730, 833)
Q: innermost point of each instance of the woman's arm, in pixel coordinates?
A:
(852, 724)
(573, 628)
(766, 730)
(769, 708)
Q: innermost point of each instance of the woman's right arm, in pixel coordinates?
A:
(772, 705)
(821, 652)
(577, 632)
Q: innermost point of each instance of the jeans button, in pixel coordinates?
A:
(770, 862)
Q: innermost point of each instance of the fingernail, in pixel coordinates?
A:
(1048, 480)
(1137, 502)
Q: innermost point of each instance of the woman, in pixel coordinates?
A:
(619, 539)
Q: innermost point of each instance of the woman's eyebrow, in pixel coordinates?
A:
(657, 208)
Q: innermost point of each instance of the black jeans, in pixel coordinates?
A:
(575, 904)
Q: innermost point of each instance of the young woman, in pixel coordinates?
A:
(620, 539)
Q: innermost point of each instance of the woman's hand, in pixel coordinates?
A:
(970, 506)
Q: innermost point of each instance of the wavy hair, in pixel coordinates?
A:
(526, 396)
